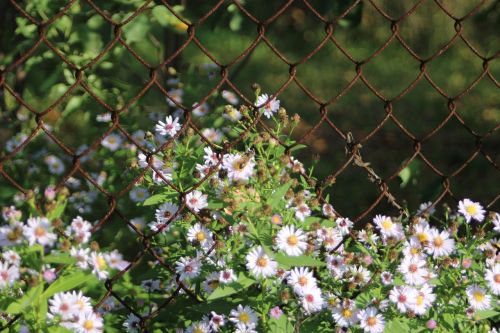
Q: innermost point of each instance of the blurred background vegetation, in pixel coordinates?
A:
(82, 33)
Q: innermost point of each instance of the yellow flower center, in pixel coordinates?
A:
(496, 278)
(239, 164)
(371, 321)
(478, 296)
(302, 281)
(198, 330)
(101, 263)
(213, 284)
(386, 224)
(420, 300)
(292, 240)
(39, 232)
(262, 262)
(200, 236)
(422, 237)
(414, 250)
(244, 317)
(471, 209)
(346, 313)
(88, 325)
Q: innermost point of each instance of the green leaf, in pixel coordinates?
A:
(30, 298)
(216, 205)
(280, 325)
(241, 284)
(487, 314)
(67, 282)
(278, 195)
(155, 199)
(397, 325)
(59, 258)
(287, 261)
(58, 211)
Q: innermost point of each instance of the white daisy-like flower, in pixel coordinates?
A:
(168, 128)
(344, 225)
(328, 210)
(422, 233)
(211, 282)
(165, 212)
(493, 278)
(239, 167)
(227, 276)
(371, 321)
(478, 298)
(295, 165)
(155, 161)
(82, 256)
(38, 230)
(212, 134)
(210, 157)
(386, 278)
(196, 200)
(199, 327)
(216, 321)
(336, 265)
(200, 234)
(89, 322)
(413, 270)
(387, 227)
(413, 248)
(8, 274)
(131, 324)
(12, 257)
(291, 241)
(243, 315)
(231, 114)
(187, 268)
(230, 97)
(112, 141)
(312, 300)
(300, 279)
(200, 110)
(260, 264)
(331, 238)
(115, 260)
(55, 164)
(426, 208)
(402, 296)
(62, 304)
(424, 297)
(139, 194)
(302, 211)
(496, 222)
(345, 314)
(471, 210)
(440, 244)
(267, 105)
(174, 95)
(99, 265)
(359, 275)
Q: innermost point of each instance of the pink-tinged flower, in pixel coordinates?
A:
(8, 275)
(275, 312)
(196, 200)
(38, 230)
(168, 128)
(267, 105)
(431, 324)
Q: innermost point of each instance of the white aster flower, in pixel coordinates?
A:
(471, 210)
(38, 230)
(239, 167)
(112, 141)
(440, 244)
(402, 296)
(89, 322)
(371, 321)
(82, 256)
(199, 233)
(115, 260)
(8, 274)
(311, 299)
(478, 298)
(198, 327)
(201, 109)
(227, 276)
(493, 278)
(359, 275)
(196, 200)
(139, 194)
(260, 264)
(131, 324)
(168, 128)
(243, 315)
(174, 95)
(99, 265)
(230, 97)
(387, 227)
(55, 164)
(345, 314)
(423, 300)
(187, 268)
(210, 157)
(62, 304)
(12, 257)
(344, 225)
(291, 241)
(300, 279)
(302, 211)
(413, 270)
(212, 134)
(386, 278)
(267, 105)
(165, 212)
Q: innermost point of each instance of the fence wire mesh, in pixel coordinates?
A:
(226, 73)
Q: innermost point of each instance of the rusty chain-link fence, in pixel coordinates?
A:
(321, 120)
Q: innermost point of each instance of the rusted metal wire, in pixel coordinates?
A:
(352, 146)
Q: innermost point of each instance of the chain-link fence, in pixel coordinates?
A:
(396, 142)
